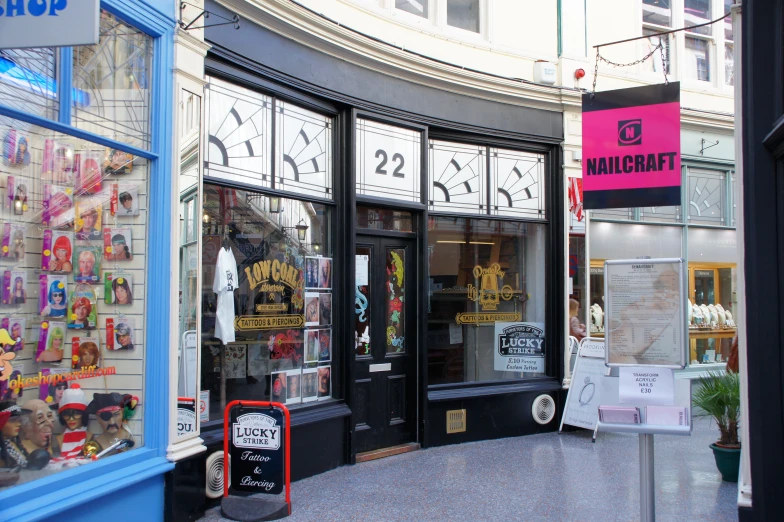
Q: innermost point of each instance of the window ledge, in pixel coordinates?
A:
(543, 386)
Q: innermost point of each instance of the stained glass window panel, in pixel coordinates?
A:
(303, 155)
(239, 123)
(458, 176)
(517, 184)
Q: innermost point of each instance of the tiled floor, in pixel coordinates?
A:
(539, 477)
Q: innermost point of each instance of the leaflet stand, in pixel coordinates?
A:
(646, 433)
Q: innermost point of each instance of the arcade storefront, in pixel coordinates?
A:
(396, 260)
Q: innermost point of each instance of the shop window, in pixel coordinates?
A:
(239, 126)
(419, 8)
(114, 80)
(708, 197)
(388, 161)
(480, 269)
(463, 14)
(657, 12)
(74, 264)
(713, 256)
(458, 177)
(28, 81)
(283, 348)
(303, 151)
(517, 184)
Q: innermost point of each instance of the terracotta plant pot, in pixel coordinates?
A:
(728, 462)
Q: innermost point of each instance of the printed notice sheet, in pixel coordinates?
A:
(644, 305)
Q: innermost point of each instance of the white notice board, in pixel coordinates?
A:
(585, 394)
(645, 313)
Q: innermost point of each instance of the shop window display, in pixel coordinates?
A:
(482, 267)
(72, 348)
(282, 306)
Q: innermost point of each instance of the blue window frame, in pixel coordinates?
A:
(48, 496)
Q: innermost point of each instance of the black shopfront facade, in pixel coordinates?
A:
(407, 225)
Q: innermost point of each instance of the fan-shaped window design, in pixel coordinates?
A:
(517, 184)
(459, 177)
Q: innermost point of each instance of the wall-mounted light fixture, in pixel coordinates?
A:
(274, 204)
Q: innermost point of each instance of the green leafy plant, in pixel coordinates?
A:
(719, 397)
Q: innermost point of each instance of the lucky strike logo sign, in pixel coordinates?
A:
(257, 431)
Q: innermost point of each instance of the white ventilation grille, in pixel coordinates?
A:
(543, 409)
(215, 475)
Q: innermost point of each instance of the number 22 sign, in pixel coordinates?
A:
(388, 161)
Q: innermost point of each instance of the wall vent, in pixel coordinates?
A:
(455, 421)
(214, 484)
(543, 409)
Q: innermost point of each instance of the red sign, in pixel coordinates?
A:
(632, 147)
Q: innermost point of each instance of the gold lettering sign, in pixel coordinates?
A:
(274, 307)
(488, 294)
(487, 317)
(274, 322)
(261, 273)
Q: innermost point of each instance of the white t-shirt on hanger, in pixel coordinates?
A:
(224, 285)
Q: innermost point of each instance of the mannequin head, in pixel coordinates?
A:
(37, 427)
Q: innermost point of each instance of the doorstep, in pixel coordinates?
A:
(386, 452)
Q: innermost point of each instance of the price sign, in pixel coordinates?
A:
(643, 385)
(388, 161)
(257, 450)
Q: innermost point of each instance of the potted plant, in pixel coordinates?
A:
(719, 397)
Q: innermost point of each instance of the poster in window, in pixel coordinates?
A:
(325, 345)
(519, 347)
(236, 362)
(311, 346)
(311, 309)
(325, 273)
(324, 382)
(279, 381)
(311, 272)
(293, 380)
(309, 384)
(325, 309)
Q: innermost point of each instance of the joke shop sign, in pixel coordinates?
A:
(257, 450)
(519, 347)
(48, 23)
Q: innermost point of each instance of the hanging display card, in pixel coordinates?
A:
(257, 450)
(519, 347)
(646, 386)
(645, 318)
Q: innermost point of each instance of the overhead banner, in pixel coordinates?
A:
(632, 147)
(48, 23)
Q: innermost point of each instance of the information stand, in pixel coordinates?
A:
(256, 453)
(646, 433)
(646, 336)
(585, 394)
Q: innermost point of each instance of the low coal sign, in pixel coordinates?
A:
(257, 450)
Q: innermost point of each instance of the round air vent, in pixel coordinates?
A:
(215, 475)
(543, 409)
